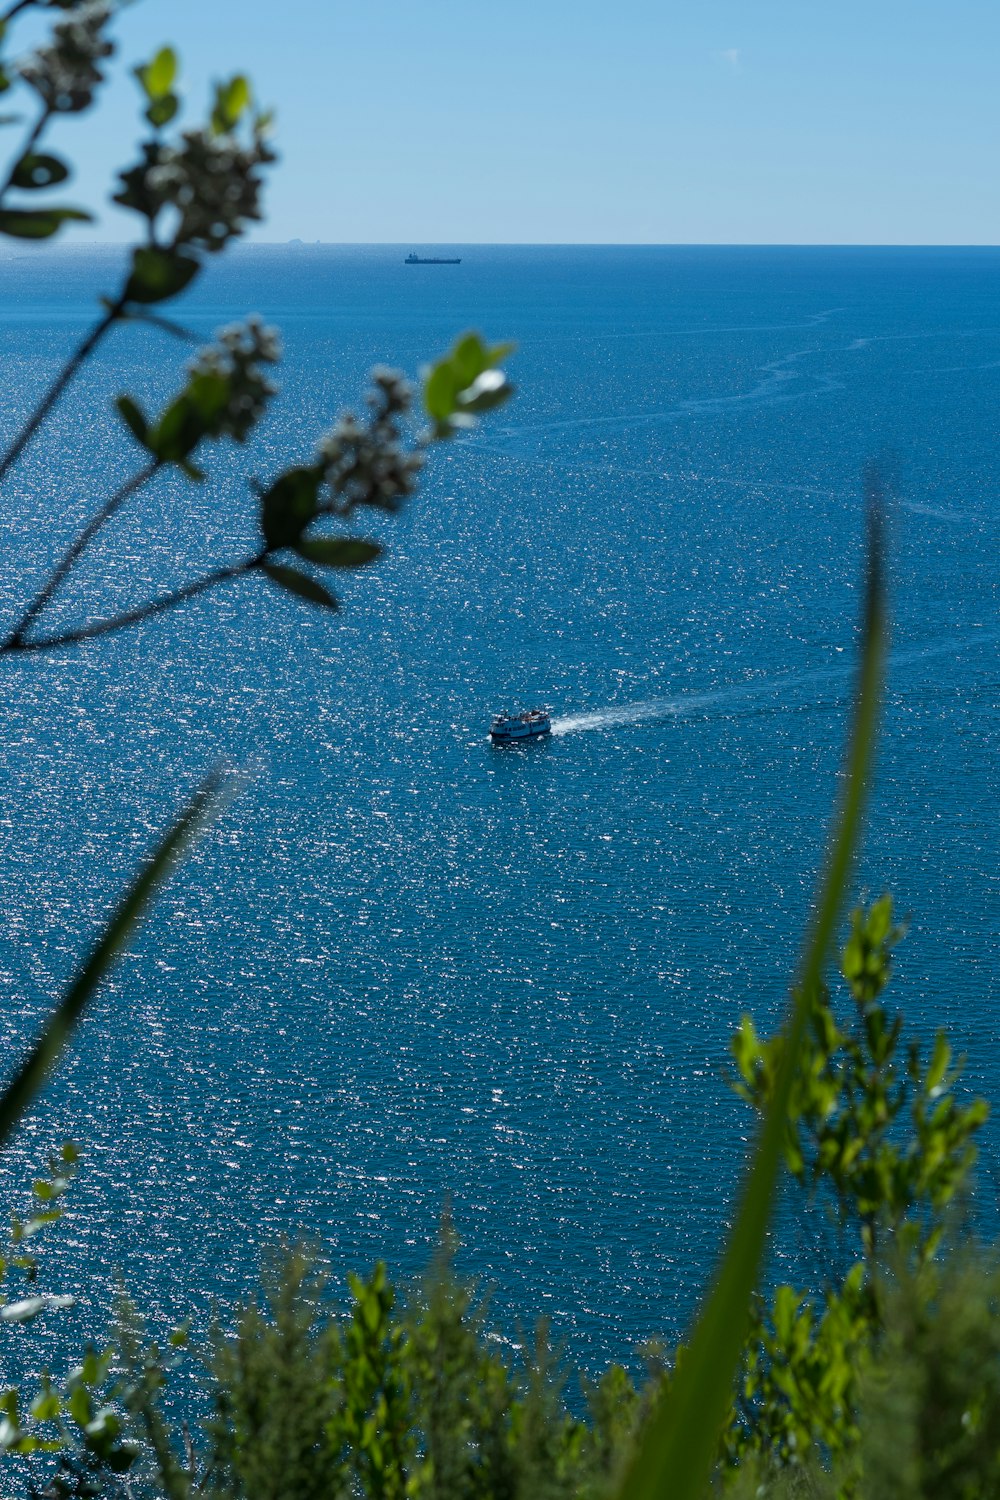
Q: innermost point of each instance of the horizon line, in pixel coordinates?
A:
(26, 249)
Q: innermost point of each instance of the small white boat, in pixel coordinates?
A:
(527, 726)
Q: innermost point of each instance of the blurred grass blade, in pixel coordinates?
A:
(31, 1076)
(679, 1442)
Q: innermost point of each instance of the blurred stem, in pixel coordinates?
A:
(58, 386)
(16, 10)
(69, 557)
(142, 611)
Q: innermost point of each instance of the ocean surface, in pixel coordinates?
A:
(404, 967)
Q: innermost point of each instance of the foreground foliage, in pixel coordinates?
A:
(414, 1394)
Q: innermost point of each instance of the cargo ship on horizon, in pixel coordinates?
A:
(432, 260)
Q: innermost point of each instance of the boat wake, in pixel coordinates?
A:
(685, 705)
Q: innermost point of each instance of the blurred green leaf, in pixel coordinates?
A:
(938, 1064)
(38, 223)
(157, 77)
(46, 1404)
(338, 552)
(231, 100)
(178, 431)
(464, 383)
(162, 111)
(158, 274)
(30, 1077)
(133, 418)
(679, 1442)
(38, 171)
(301, 584)
(287, 508)
(488, 390)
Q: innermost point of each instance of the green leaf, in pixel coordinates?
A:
(488, 390)
(45, 1405)
(208, 392)
(301, 584)
(38, 223)
(231, 100)
(289, 505)
(133, 418)
(81, 1408)
(162, 111)
(157, 77)
(440, 391)
(938, 1065)
(338, 552)
(38, 171)
(464, 383)
(469, 358)
(93, 1369)
(158, 274)
(31, 1075)
(679, 1442)
(23, 1311)
(178, 431)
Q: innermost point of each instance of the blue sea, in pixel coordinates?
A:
(405, 968)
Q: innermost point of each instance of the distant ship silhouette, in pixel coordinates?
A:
(432, 260)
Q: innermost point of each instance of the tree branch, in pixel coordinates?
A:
(141, 612)
(69, 557)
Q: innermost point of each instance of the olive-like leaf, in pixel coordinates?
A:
(338, 552)
(133, 418)
(36, 170)
(31, 1075)
(680, 1437)
(162, 110)
(289, 505)
(38, 223)
(299, 583)
(440, 392)
(178, 431)
(158, 274)
(231, 100)
(157, 77)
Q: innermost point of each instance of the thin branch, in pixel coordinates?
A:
(16, 10)
(80, 543)
(166, 325)
(57, 387)
(140, 613)
(31, 140)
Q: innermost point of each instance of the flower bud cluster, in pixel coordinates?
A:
(212, 183)
(366, 463)
(237, 358)
(67, 71)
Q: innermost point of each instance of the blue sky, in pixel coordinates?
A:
(765, 121)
